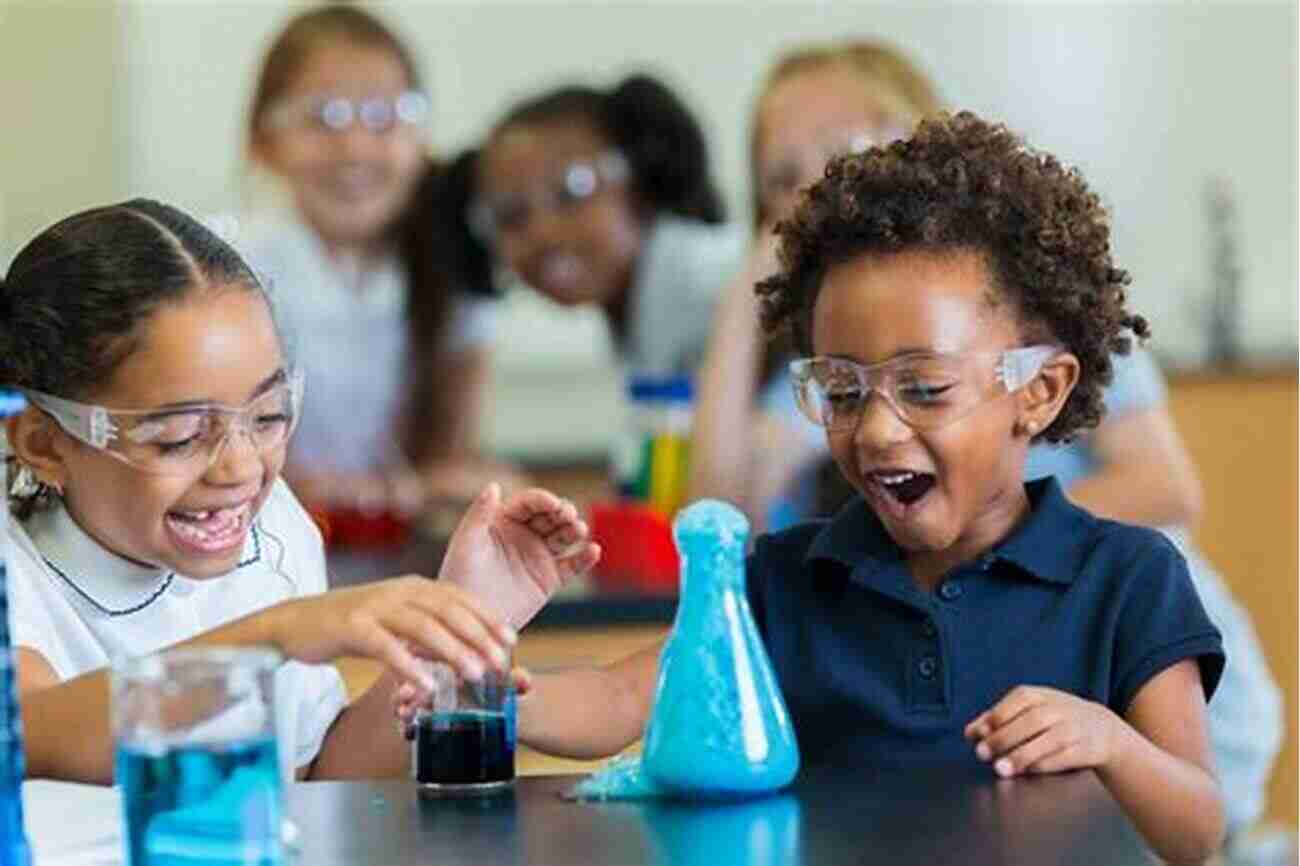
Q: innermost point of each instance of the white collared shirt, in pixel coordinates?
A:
(80, 606)
(348, 332)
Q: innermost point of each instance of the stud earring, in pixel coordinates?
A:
(24, 484)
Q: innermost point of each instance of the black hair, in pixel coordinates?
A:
(657, 134)
(442, 260)
(76, 298)
(963, 183)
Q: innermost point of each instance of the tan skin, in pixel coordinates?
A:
(1154, 759)
(219, 345)
(581, 254)
(350, 187)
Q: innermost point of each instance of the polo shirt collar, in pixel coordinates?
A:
(1049, 545)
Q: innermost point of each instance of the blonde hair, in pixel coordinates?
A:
(893, 82)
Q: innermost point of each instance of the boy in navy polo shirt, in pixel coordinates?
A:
(957, 300)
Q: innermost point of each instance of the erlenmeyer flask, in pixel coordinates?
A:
(719, 727)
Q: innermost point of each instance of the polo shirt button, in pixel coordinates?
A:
(928, 629)
(927, 667)
(950, 591)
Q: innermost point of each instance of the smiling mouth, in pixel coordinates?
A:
(904, 487)
(210, 530)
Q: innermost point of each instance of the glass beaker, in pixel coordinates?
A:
(197, 759)
(464, 737)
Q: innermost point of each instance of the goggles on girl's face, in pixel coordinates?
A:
(332, 113)
(797, 169)
(184, 440)
(926, 391)
(570, 186)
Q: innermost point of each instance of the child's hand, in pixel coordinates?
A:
(408, 698)
(1040, 730)
(397, 622)
(514, 555)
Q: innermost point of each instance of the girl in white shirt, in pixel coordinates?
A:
(160, 519)
(396, 352)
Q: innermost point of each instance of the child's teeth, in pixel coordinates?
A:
(899, 478)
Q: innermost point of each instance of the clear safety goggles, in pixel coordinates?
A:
(181, 441)
(570, 186)
(332, 113)
(926, 391)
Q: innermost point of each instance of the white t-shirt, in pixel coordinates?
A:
(348, 332)
(680, 277)
(81, 606)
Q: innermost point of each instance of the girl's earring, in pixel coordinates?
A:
(24, 484)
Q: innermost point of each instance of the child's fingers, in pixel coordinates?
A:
(1023, 728)
(433, 639)
(579, 562)
(525, 505)
(565, 541)
(978, 727)
(492, 639)
(376, 642)
(1015, 702)
(522, 679)
(1027, 754)
(1066, 757)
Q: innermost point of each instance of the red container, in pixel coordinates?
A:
(637, 550)
(357, 528)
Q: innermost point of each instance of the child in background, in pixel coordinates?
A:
(956, 294)
(817, 101)
(604, 198)
(161, 520)
(338, 115)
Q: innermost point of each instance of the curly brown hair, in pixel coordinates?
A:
(963, 183)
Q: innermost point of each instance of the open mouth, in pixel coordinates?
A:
(900, 488)
(210, 530)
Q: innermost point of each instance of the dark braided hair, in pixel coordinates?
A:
(961, 182)
(76, 298)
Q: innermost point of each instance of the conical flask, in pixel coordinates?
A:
(719, 727)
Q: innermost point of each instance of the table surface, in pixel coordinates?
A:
(902, 817)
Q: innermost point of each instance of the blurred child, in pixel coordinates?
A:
(817, 101)
(604, 198)
(956, 298)
(396, 352)
(160, 520)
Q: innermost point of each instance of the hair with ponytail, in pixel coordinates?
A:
(657, 134)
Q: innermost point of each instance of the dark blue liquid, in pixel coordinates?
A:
(213, 806)
(464, 748)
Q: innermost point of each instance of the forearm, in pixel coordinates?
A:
(67, 726)
(593, 712)
(728, 382)
(1120, 493)
(363, 742)
(1175, 805)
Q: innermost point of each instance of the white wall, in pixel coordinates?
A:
(1150, 100)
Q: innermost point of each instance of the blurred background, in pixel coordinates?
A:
(1182, 116)
(111, 99)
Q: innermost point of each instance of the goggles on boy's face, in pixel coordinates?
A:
(181, 441)
(799, 169)
(926, 391)
(333, 113)
(570, 186)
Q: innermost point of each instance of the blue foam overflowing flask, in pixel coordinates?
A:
(719, 727)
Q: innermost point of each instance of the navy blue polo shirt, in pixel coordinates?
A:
(876, 670)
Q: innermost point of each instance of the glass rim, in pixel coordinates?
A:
(154, 666)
